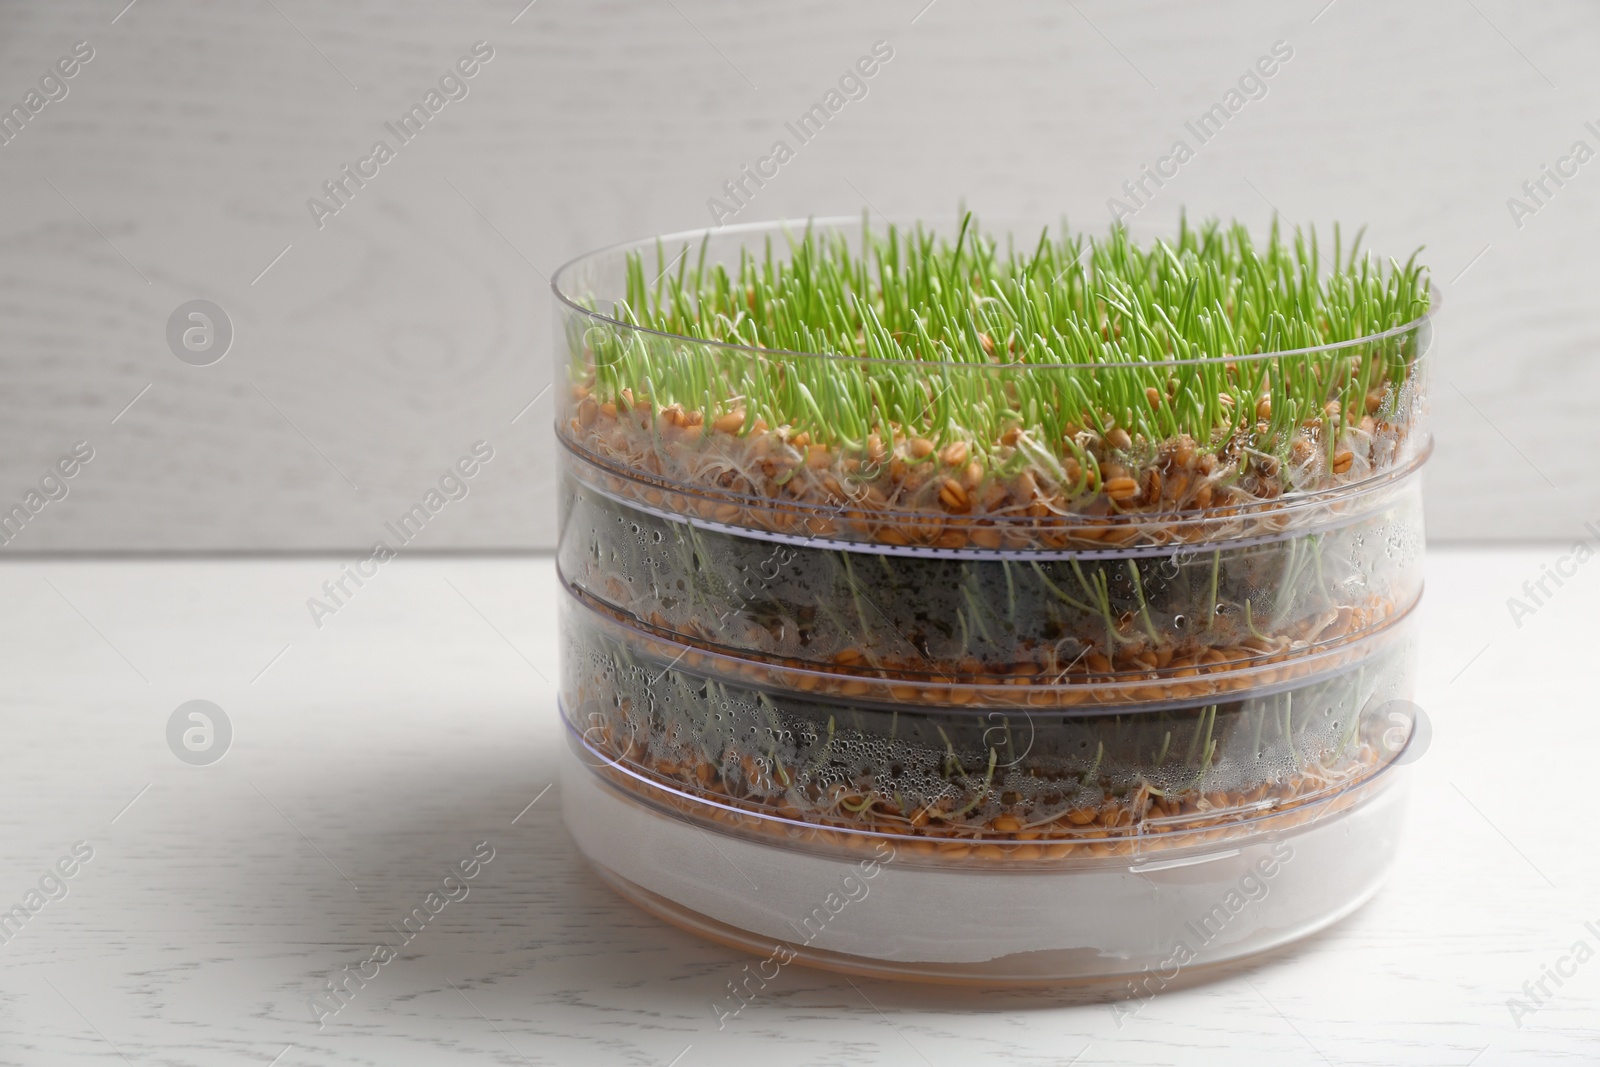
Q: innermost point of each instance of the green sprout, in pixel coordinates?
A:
(1240, 346)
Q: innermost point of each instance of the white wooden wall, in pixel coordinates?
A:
(417, 320)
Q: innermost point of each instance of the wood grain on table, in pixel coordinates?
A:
(372, 755)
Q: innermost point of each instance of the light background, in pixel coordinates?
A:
(417, 321)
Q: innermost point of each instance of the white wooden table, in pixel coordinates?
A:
(370, 755)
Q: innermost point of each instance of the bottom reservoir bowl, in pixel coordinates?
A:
(882, 908)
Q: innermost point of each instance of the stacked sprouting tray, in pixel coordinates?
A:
(1066, 651)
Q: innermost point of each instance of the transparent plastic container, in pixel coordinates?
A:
(1034, 615)
(1058, 700)
(955, 765)
(682, 425)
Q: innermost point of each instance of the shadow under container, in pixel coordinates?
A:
(1045, 728)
